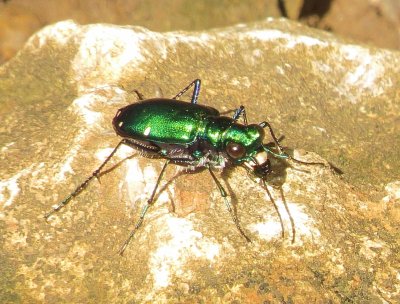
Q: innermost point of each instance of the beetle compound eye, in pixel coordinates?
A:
(235, 150)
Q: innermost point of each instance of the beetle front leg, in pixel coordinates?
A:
(228, 205)
(144, 210)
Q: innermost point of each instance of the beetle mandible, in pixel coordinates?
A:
(191, 135)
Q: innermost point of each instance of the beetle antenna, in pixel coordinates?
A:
(282, 154)
(277, 144)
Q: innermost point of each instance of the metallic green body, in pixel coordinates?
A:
(222, 130)
(196, 130)
(164, 120)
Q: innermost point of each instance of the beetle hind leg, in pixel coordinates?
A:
(150, 202)
(82, 186)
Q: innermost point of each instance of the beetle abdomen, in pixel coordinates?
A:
(162, 120)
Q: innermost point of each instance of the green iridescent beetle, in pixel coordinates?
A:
(191, 135)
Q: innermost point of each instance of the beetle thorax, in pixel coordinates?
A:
(236, 141)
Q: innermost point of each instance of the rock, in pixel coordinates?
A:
(333, 100)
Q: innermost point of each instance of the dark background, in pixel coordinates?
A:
(375, 22)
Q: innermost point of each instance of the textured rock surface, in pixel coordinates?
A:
(336, 99)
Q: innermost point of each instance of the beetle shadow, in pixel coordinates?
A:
(162, 188)
(231, 193)
(276, 178)
(165, 186)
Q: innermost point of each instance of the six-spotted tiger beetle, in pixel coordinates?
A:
(191, 135)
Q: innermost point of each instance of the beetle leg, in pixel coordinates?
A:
(83, 186)
(264, 185)
(142, 146)
(228, 205)
(140, 95)
(144, 210)
(240, 112)
(196, 83)
(184, 161)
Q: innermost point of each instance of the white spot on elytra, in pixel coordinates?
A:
(147, 131)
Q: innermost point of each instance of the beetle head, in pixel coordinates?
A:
(242, 142)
